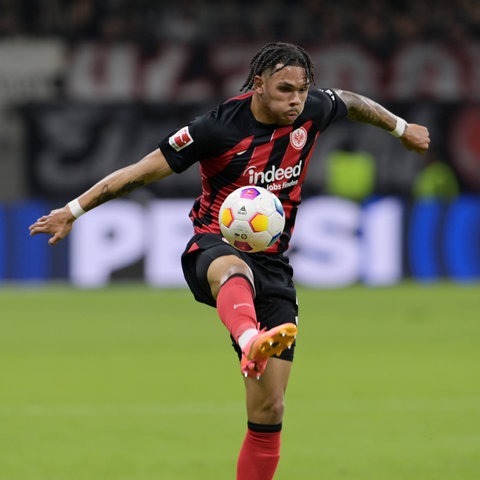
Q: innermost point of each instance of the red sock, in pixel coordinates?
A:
(260, 453)
(235, 306)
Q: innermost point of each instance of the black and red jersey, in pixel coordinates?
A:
(235, 150)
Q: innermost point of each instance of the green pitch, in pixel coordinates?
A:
(141, 384)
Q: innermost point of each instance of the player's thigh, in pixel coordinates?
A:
(265, 397)
(200, 252)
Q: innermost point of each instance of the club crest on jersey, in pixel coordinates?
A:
(181, 139)
(298, 138)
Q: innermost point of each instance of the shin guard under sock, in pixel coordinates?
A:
(260, 452)
(235, 305)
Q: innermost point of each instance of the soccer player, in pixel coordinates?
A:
(264, 137)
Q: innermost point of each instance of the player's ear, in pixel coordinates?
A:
(258, 83)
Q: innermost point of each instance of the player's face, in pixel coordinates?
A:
(280, 95)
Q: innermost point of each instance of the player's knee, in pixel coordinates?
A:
(269, 411)
(223, 268)
(237, 269)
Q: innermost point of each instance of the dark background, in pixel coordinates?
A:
(87, 86)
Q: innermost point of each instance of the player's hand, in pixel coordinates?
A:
(416, 138)
(57, 223)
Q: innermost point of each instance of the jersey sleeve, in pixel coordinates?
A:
(183, 147)
(328, 106)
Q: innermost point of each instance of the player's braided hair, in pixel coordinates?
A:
(276, 53)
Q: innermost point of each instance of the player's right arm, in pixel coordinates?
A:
(363, 109)
(59, 222)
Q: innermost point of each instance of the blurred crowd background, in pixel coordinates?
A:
(87, 86)
(379, 25)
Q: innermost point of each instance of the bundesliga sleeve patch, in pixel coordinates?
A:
(181, 139)
(329, 93)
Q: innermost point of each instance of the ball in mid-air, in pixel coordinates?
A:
(251, 219)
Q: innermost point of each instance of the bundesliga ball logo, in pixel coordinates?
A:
(251, 219)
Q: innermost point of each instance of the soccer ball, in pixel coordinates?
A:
(251, 219)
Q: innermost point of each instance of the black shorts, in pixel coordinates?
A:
(275, 295)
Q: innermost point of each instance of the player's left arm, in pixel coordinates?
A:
(59, 222)
(363, 109)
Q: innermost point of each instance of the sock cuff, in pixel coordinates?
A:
(240, 275)
(257, 427)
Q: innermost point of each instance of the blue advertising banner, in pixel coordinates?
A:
(336, 242)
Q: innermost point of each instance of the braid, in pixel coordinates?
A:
(276, 53)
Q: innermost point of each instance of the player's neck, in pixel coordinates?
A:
(259, 112)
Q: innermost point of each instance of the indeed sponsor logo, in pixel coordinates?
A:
(275, 174)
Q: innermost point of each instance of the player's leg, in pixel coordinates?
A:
(223, 268)
(229, 279)
(265, 397)
(260, 450)
(219, 276)
(231, 283)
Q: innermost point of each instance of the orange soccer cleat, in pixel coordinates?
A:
(264, 345)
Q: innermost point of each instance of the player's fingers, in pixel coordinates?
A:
(54, 240)
(38, 227)
(34, 229)
(41, 219)
(416, 149)
(40, 222)
(420, 150)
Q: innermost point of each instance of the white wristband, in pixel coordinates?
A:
(400, 127)
(75, 208)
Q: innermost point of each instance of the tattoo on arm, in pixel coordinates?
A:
(107, 195)
(363, 109)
